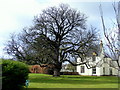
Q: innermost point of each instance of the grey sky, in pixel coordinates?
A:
(17, 14)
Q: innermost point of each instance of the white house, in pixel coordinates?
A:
(103, 65)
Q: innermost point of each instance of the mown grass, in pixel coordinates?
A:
(72, 81)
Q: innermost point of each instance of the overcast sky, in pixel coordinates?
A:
(17, 14)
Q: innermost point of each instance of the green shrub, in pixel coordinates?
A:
(14, 74)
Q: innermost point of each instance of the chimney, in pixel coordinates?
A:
(101, 50)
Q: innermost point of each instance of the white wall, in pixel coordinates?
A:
(99, 68)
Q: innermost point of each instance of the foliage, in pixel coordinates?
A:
(14, 74)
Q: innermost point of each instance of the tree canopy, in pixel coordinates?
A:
(59, 34)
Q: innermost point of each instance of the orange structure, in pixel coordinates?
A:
(44, 69)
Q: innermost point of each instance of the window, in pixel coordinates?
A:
(94, 58)
(94, 70)
(111, 63)
(82, 69)
(110, 71)
(103, 70)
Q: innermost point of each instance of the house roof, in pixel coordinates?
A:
(97, 50)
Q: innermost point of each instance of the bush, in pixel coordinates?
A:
(14, 74)
(69, 73)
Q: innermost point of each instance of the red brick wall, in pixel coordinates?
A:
(39, 69)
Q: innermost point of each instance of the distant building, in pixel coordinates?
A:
(105, 66)
(68, 68)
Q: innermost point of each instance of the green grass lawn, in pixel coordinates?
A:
(72, 81)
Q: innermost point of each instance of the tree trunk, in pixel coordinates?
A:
(56, 72)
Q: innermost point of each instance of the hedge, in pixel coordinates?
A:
(14, 74)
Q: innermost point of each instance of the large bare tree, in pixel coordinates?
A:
(112, 36)
(58, 35)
